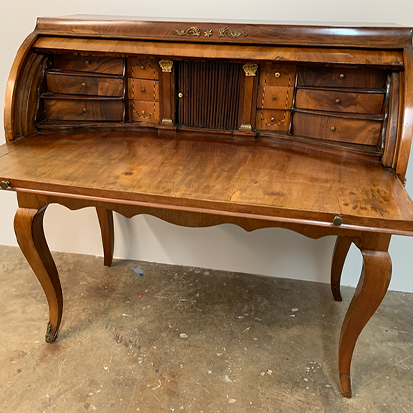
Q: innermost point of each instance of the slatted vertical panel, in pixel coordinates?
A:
(210, 94)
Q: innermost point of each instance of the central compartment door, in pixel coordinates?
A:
(208, 94)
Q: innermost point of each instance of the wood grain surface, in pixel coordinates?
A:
(334, 128)
(392, 58)
(338, 101)
(68, 83)
(259, 32)
(248, 177)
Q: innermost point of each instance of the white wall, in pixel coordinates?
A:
(274, 252)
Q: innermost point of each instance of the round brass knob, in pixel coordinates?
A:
(277, 74)
(274, 98)
(5, 184)
(337, 221)
(338, 101)
(341, 75)
(83, 84)
(87, 62)
(84, 109)
(143, 89)
(180, 95)
(143, 112)
(142, 67)
(272, 119)
(333, 129)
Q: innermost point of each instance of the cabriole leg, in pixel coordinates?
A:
(372, 287)
(28, 225)
(105, 217)
(339, 257)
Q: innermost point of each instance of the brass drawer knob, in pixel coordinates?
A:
(341, 75)
(272, 119)
(333, 129)
(143, 89)
(83, 84)
(84, 110)
(5, 184)
(142, 67)
(338, 101)
(87, 62)
(180, 95)
(277, 74)
(337, 221)
(143, 112)
(274, 98)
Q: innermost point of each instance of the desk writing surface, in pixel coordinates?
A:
(245, 177)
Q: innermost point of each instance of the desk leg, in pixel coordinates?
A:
(339, 257)
(373, 284)
(28, 225)
(105, 217)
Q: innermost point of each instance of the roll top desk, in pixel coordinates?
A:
(259, 125)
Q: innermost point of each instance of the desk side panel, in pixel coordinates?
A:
(406, 120)
(13, 86)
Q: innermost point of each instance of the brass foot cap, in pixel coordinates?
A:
(50, 337)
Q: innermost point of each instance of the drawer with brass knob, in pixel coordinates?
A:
(93, 64)
(270, 119)
(73, 84)
(339, 101)
(362, 78)
(275, 97)
(276, 74)
(143, 89)
(62, 108)
(336, 128)
(143, 69)
(144, 111)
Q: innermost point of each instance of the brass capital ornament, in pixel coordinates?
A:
(166, 65)
(250, 69)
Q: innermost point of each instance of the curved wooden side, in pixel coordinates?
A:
(401, 159)
(13, 85)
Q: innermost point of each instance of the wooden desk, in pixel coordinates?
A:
(199, 124)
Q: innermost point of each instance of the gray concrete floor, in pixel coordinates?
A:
(182, 339)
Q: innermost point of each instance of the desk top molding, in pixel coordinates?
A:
(358, 35)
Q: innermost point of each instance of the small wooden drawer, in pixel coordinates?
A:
(361, 131)
(275, 97)
(84, 109)
(339, 101)
(143, 89)
(277, 75)
(143, 69)
(361, 78)
(58, 82)
(144, 111)
(95, 64)
(277, 120)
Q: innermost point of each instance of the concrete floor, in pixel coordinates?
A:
(183, 339)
